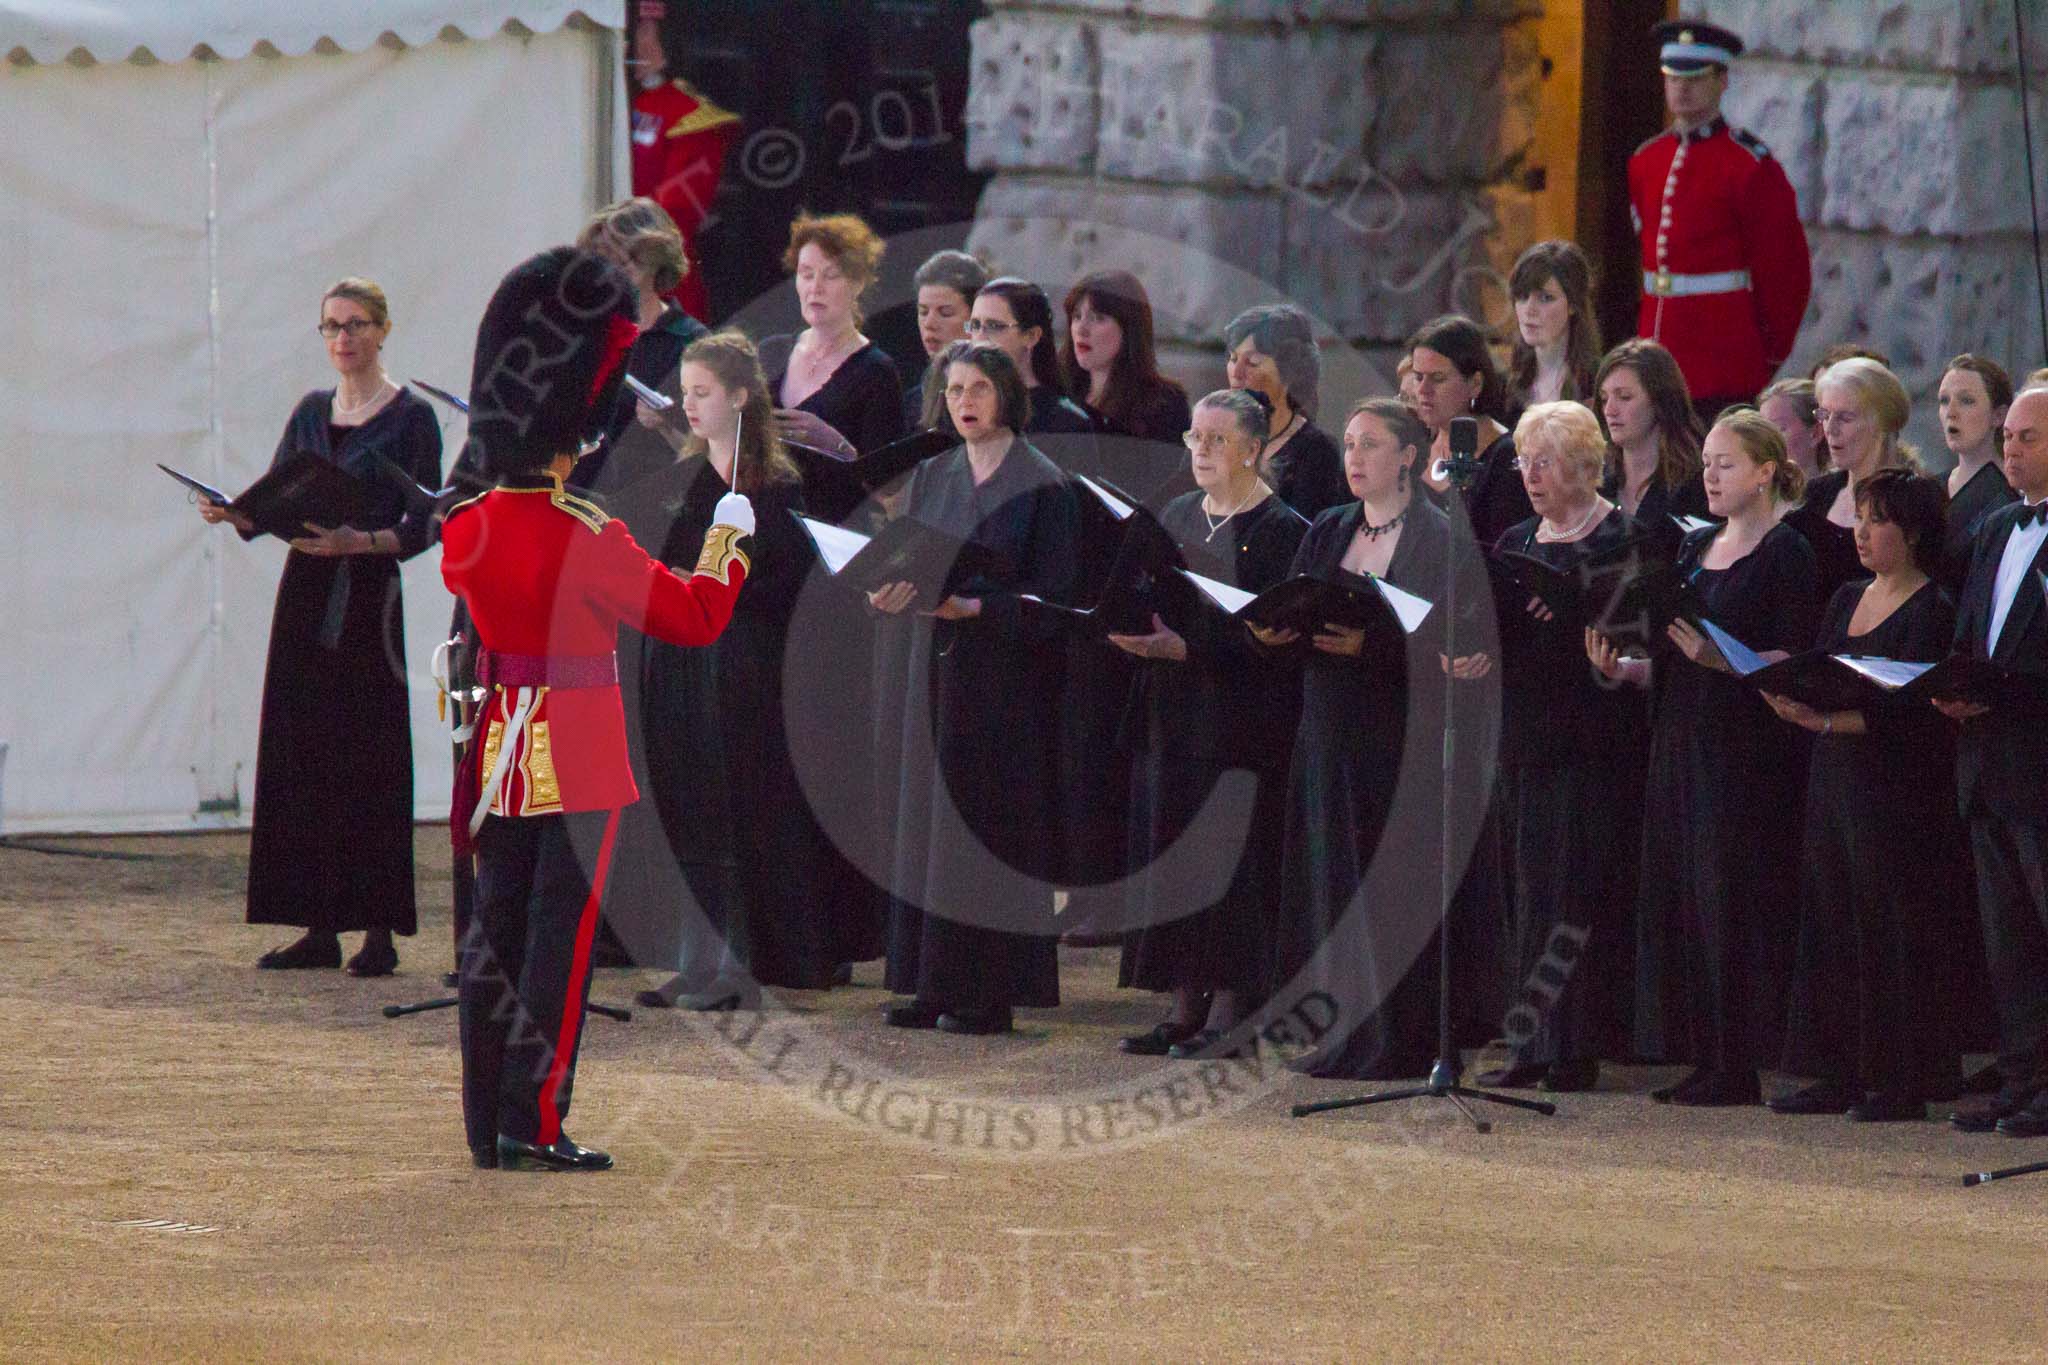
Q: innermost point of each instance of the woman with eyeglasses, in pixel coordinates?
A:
(1359, 904)
(1863, 411)
(1452, 370)
(1015, 317)
(1571, 775)
(1209, 701)
(1714, 924)
(330, 848)
(970, 933)
(1272, 349)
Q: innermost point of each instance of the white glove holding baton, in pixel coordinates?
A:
(735, 511)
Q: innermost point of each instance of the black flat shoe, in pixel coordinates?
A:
(1877, 1108)
(1665, 1094)
(1155, 1041)
(1520, 1076)
(975, 1023)
(308, 953)
(373, 962)
(1570, 1078)
(1720, 1090)
(842, 975)
(2030, 1122)
(484, 1158)
(1822, 1097)
(1985, 1117)
(1207, 1046)
(912, 1014)
(452, 980)
(559, 1155)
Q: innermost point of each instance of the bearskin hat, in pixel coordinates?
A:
(550, 360)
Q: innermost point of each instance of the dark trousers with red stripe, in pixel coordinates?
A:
(525, 966)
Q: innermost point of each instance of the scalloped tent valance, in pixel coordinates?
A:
(48, 31)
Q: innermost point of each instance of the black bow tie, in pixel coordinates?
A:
(2035, 514)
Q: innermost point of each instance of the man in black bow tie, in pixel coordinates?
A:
(2001, 761)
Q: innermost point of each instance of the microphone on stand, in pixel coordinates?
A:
(1461, 467)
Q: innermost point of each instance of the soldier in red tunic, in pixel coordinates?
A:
(547, 578)
(679, 144)
(1726, 269)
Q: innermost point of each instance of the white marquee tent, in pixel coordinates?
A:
(179, 181)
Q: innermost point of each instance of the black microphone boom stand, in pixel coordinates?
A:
(1446, 1076)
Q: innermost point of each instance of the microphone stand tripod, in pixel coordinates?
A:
(1446, 1076)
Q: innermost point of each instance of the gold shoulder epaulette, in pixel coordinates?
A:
(469, 501)
(583, 509)
(705, 115)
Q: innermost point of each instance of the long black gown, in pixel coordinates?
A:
(1308, 472)
(1884, 935)
(1572, 799)
(731, 816)
(1661, 502)
(1717, 908)
(1834, 547)
(330, 846)
(970, 923)
(1365, 819)
(1983, 493)
(1207, 921)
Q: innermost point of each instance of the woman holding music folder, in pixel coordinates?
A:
(722, 882)
(1719, 863)
(1654, 470)
(1571, 757)
(1875, 1009)
(1364, 787)
(970, 925)
(1209, 701)
(1863, 413)
(330, 847)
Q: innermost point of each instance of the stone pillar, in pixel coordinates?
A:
(1899, 124)
(1361, 158)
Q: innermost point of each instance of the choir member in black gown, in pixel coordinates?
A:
(1654, 472)
(1875, 1008)
(639, 237)
(970, 928)
(1557, 333)
(829, 369)
(1974, 396)
(1793, 408)
(1015, 315)
(330, 846)
(732, 820)
(1863, 408)
(1359, 904)
(946, 285)
(1716, 910)
(1272, 348)
(1571, 775)
(1210, 700)
(1454, 376)
(1111, 364)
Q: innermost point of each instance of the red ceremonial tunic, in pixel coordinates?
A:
(548, 577)
(679, 144)
(1726, 268)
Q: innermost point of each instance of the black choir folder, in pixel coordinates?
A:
(1622, 593)
(1140, 554)
(298, 489)
(1306, 604)
(905, 550)
(1851, 682)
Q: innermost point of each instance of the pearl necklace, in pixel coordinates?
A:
(1576, 531)
(341, 410)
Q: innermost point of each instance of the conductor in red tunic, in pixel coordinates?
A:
(679, 144)
(547, 579)
(1726, 268)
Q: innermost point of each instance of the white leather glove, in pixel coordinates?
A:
(735, 511)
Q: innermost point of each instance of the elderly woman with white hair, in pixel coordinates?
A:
(1863, 408)
(1571, 773)
(1272, 350)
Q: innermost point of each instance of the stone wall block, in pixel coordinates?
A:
(1379, 261)
(1032, 102)
(1415, 12)
(1456, 104)
(1913, 156)
(1784, 107)
(1974, 36)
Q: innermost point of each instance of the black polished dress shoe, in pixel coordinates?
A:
(975, 1023)
(311, 951)
(374, 961)
(1822, 1097)
(1569, 1078)
(1719, 1090)
(912, 1014)
(559, 1155)
(2030, 1122)
(1520, 1076)
(1878, 1107)
(1985, 1117)
(1155, 1041)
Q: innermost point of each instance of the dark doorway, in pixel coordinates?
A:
(846, 105)
(1622, 107)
